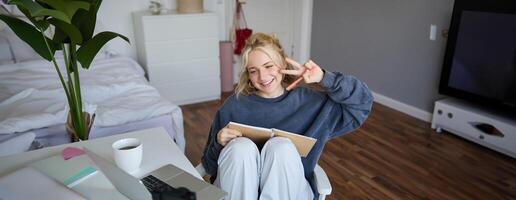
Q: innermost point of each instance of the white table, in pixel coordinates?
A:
(158, 150)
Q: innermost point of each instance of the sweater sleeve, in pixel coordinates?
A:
(352, 99)
(212, 148)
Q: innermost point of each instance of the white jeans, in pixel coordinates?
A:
(275, 173)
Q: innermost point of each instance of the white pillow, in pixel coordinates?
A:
(2, 25)
(21, 51)
(18, 143)
(6, 56)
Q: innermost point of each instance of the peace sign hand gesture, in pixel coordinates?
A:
(310, 72)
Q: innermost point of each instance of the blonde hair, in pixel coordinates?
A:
(270, 45)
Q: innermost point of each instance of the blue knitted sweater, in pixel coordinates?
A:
(343, 107)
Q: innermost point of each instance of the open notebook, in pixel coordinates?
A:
(260, 135)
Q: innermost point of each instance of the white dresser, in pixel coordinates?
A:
(180, 53)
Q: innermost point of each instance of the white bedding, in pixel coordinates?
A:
(115, 89)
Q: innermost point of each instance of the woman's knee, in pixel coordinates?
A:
(239, 148)
(280, 146)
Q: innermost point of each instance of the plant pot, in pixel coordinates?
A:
(71, 131)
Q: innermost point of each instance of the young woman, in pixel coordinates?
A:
(275, 170)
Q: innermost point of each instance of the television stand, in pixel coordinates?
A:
(480, 125)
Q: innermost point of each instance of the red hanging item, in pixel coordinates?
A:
(241, 32)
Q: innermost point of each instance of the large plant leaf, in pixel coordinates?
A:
(37, 10)
(41, 24)
(60, 37)
(85, 20)
(90, 48)
(70, 30)
(67, 6)
(30, 35)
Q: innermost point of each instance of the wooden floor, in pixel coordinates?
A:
(392, 156)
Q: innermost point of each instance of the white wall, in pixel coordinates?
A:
(116, 15)
(386, 44)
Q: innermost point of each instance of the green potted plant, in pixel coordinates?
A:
(73, 22)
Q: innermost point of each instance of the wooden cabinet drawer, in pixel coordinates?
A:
(181, 50)
(183, 71)
(179, 27)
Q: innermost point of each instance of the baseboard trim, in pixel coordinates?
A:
(402, 107)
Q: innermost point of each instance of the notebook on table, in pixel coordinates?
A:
(68, 172)
(29, 183)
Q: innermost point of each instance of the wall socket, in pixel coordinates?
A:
(433, 32)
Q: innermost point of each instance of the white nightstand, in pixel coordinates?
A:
(180, 53)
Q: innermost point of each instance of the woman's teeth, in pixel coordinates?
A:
(267, 83)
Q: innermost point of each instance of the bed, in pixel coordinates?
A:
(114, 88)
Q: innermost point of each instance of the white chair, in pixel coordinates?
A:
(321, 180)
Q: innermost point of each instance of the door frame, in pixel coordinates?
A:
(302, 36)
(305, 33)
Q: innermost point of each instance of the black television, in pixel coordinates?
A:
(480, 58)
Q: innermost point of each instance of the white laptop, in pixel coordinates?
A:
(133, 188)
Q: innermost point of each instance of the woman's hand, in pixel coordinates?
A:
(225, 135)
(310, 71)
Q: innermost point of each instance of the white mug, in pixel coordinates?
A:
(128, 154)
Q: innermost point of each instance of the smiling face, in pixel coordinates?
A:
(262, 59)
(264, 74)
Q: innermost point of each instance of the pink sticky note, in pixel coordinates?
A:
(70, 152)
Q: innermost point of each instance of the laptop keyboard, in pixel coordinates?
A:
(153, 184)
